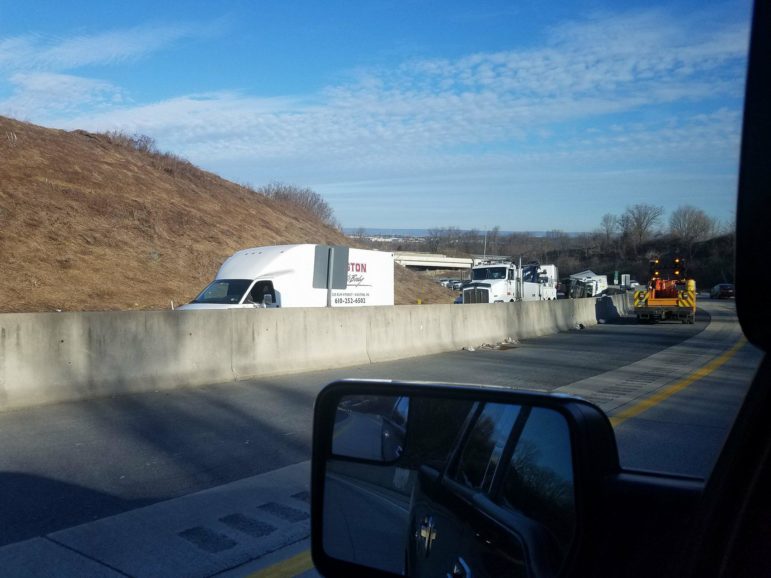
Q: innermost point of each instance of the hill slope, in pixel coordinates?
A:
(89, 223)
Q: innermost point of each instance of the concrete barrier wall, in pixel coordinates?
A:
(51, 357)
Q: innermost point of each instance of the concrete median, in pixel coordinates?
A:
(53, 357)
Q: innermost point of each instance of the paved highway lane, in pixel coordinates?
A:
(71, 463)
(68, 463)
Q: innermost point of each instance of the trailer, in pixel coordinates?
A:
(300, 276)
(587, 284)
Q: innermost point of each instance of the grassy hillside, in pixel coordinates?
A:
(88, 222)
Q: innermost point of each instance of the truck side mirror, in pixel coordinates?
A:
(388, 486)
(267, 299)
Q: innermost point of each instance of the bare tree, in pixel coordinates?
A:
(727, 227)
(138, 142)
(638, 222)
(609, 226)
(691, 224)
(360, 234)
(588, 242)
(433, 240)
(470, 241)
(303, 197)
(559, 241)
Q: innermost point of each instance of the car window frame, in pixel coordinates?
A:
(461, 449)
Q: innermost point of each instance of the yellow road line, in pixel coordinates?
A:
(670, 390)
(293, 566)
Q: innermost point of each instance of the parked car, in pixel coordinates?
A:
(723, 291)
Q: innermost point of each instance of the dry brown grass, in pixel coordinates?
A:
(90, 223)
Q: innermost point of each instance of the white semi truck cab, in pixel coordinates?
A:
(300, 276)
(504, 281)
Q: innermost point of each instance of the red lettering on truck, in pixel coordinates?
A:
(357, 267)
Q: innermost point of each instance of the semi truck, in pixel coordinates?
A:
(498, 281)
(670, 294)
(304, 275)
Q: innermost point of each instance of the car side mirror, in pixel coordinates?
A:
(267, 299)
(428, 479)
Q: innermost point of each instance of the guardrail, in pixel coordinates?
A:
(53, 357)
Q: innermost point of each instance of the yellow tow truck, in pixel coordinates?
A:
(669, 294)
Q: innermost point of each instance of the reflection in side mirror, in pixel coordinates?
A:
(267, 299)
(420, 484)
(370, 428)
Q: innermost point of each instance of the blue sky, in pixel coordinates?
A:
(408, 114)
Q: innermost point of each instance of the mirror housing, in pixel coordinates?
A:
(592, 446)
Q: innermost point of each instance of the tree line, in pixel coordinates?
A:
(622, 243)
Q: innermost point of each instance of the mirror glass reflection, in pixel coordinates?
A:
(426, 486)
(371, 428)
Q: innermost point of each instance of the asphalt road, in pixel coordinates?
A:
(70, 463)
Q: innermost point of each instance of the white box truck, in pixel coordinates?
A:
(497, 281)
(300, 276)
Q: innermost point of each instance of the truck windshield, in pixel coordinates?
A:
(224, 291)
(488, 273)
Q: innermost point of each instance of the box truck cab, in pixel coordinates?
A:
(300, 276)
(504, 281)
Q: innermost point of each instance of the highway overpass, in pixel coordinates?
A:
(434, 261)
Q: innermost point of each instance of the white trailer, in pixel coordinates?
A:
(590, 283)
(300, 276)
(504, 281)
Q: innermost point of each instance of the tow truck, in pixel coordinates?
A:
(669, 295)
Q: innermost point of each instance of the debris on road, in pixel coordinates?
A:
(508, 343)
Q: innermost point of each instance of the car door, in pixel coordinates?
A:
(525, 523)
(443, 503)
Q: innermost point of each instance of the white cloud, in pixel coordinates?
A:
(42, 94)
(38, 52)
(582, 99)
(590, 69)
(615, 54)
